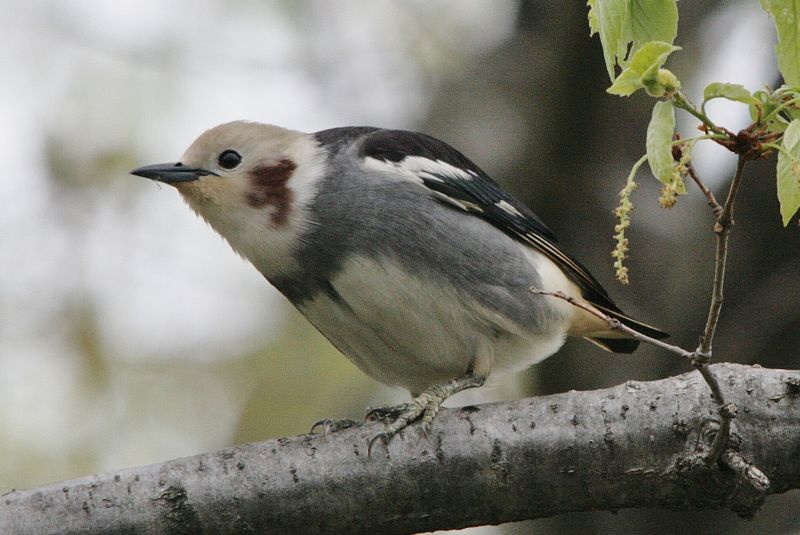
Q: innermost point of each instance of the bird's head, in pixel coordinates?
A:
(249, 180)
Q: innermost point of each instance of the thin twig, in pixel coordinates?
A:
(712, 201)
(715, 307)
(713, 384)
(727, 214)
(617, 325)
(722, 229)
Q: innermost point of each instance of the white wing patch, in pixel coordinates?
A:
(385, 166)
(418, 169)
(430, 168)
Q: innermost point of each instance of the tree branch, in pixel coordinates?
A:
(634, 445)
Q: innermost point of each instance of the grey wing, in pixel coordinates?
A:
(457, 181)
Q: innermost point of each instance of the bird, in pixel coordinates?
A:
(402, 252)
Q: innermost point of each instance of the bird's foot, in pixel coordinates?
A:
(426, 405)
(327, 425)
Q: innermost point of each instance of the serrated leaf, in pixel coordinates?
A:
(786, 15)
(788, 172)
(729, 91)
(643, 68)
(659, 141)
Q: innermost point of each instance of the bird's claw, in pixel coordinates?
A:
(401, 416)
(427, 429)
(324, 423)
(329, 425)
(384, 437)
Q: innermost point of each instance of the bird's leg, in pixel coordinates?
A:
(425, 405)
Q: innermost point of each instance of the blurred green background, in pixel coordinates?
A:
(131, 334)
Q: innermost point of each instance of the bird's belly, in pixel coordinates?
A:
(412, 333)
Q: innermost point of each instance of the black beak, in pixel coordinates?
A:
(171, 172)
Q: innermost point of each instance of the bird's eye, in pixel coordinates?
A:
(229, 159)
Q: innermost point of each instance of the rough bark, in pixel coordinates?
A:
(634, 445)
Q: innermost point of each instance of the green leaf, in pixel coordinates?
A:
(653, 20)
(622, 22)
(729, 91)
(737, 93)
(789, 172)
(609, 18)
(643, 68)
(659, 141)
(786, 15)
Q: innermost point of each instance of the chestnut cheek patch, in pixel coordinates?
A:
(268, 186)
